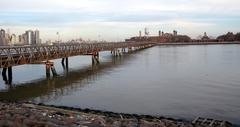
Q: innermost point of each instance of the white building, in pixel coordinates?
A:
(13, 39)
(30, 37)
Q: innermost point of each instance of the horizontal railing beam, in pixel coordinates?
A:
(18, 55)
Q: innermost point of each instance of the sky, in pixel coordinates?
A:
(115, 20)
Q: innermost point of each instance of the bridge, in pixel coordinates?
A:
(42, 54)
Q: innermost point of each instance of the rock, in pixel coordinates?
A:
(100, 121)
(30, 115)
(29, 105)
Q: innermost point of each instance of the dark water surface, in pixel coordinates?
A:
(173, 81)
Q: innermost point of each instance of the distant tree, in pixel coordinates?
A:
(230, 36)
(181, 38)
(237, 37)
(221, 37)
(227, 37)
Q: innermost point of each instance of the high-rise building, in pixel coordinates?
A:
(2, 37)
(22, 38)
(13, 39)
(37, 37)
(30, 37)
(8, 37)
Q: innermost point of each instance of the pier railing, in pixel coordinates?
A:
(18, 55)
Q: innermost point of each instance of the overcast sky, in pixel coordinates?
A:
(118, 19)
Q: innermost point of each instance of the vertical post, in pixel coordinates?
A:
(9, 75)
(53, 70)
(65, 67)
(97, 57)
(48, 67)
(4, 75)
(93, 61)
(62, 61)
(115, 52)
(119, 52)
(66, 62)
(123, 50)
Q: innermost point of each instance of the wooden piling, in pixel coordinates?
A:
(62, 61)
(54, 72)
(4, 75)
(66, 62)
(48, 67)
(9, 75)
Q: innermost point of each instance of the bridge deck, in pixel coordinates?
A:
(18, 55)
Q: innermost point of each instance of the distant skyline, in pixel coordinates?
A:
(115, 20)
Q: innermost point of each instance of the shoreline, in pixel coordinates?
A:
(199, 43)
(24, 113)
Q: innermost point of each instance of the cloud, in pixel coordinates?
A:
(123, 6)
(125, 17)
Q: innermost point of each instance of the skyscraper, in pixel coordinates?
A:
(37, 37)
(13, 39)
(24, 38)
(20, 39)
(2, 37)
(30, 37)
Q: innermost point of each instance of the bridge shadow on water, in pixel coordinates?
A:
(64, 84)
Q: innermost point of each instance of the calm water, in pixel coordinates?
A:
(173, 81)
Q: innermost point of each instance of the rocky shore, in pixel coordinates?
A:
(33, 115)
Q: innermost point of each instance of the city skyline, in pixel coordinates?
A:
(29, 37)
(113, 20)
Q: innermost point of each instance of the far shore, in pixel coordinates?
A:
(198, 43)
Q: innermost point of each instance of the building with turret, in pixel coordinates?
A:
(205, 37)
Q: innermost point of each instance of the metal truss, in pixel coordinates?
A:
(18, 55)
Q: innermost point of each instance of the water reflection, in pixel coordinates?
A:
(172, 81)
(55, 87)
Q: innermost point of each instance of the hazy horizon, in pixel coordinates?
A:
(113, 20)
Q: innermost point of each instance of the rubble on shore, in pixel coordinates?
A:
(32, 115)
